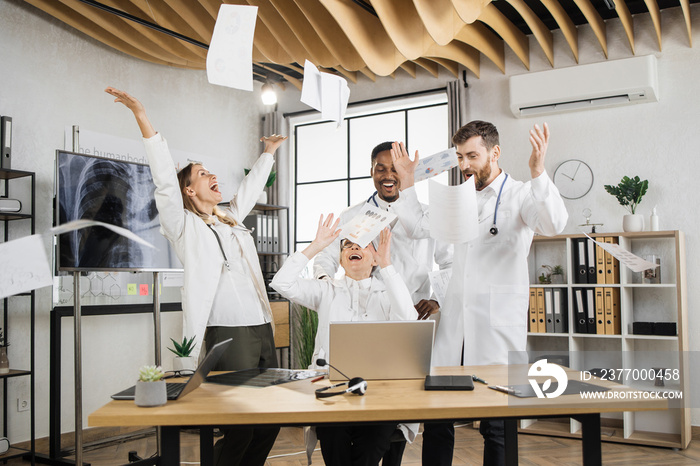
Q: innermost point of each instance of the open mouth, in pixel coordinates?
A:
(389, 184)
(214, 187)
(355, 257)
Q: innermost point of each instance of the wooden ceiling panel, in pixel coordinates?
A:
(357, 39)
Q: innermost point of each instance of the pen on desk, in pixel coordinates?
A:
(479, 379)
(317, 379)
(503, 389)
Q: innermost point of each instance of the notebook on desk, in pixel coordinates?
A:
(177, 390)
(381, 350)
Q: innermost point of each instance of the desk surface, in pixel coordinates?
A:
(294, 403)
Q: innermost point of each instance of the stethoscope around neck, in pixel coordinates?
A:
(373, 198)
(494, 229)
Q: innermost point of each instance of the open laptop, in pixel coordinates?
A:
(381, 350)
(177, 390)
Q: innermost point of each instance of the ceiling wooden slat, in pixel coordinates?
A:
(329, 31)
(438, 18)
(449, 65)
(404, 26)
(269, 46)
(469, 10)
(539, 30)
(409, 67)
(567, 26)
(595, 21)
(626, 20)
(307, 35)
(512, 36)
(295, 82)
(456, 51)
(367, 35)
(655, 14)
(483, 39)
(428, 65)
(685, 6)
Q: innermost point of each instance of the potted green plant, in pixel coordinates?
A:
(305, 328)
(629, 193)
(557, 274)
(182, 351)
(545, 275)
(150, 387)
(4, 362)
(270, 181)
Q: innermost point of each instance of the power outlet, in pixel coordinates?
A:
(22, 403)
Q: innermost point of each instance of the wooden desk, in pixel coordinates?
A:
(294, 404)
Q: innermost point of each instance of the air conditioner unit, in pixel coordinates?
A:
(604, 84)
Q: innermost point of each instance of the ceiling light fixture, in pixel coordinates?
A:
(268, 95)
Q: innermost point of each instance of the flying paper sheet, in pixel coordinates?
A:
(311, 86)
(453, 212)
(626, 258)
(25, 266)
(230, 55)
(435, 164)
(325, 92)
(439, 279)
(366, 225)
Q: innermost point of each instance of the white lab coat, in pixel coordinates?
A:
(487, 297)
(388, 299)
(196, 246)
(412, 258)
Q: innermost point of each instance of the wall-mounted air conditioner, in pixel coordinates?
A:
(605, 84)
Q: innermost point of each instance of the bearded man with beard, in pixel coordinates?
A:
(484, 316)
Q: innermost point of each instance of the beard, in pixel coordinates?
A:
(481, 177)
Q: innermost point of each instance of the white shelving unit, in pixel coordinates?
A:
(639, 302)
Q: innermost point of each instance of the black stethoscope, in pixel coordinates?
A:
(373, 198)
(494, 228)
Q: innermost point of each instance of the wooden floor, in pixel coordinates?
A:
(533, 450)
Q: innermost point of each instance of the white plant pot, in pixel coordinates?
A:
(184, 364)
(633, 222)
(150, 394)
(262, 199)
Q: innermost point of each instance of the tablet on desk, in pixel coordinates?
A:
(449, 382)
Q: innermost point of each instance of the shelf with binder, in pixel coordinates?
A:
(651, 323)
(25, 183)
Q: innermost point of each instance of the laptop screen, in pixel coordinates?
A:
(381, 350)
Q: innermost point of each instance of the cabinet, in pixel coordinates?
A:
(22, 218)
(638, 358)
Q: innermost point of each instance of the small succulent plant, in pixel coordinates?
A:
(151, 373)
(183, 349)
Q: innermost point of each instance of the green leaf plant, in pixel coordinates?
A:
(629, 192)
(183, 349)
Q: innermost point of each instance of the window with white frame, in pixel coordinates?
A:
(332, 162)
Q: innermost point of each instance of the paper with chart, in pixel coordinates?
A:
(439, 279)
(366, 225)
(453, 212)
(230, 54)
(435, 164)
(325, 92)
(626, 258)
(25, 265)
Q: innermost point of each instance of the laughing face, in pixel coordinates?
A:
(356, 261)
(204, 186)
(478, 161)
(386, 181)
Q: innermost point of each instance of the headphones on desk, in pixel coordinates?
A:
(356, 385)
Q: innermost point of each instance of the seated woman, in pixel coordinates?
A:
(354, 297)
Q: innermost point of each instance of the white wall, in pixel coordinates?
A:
(52, 77)
(659, 142)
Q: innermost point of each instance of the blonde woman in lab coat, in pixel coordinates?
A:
(355, 297)
(484, 318)
(223, 294)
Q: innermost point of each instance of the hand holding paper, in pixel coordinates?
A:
(365, 226)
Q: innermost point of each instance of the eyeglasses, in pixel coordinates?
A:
(347, 244)
(180, 373)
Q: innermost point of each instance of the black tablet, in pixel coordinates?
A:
(449, 382)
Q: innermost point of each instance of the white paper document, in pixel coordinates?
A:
(439, 279)
(325, 92)
(366, 225)
(230, 55)
(25, 266)
(453, 212)
(435, 164)
(626, 258)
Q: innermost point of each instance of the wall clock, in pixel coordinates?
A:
(573, 178)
